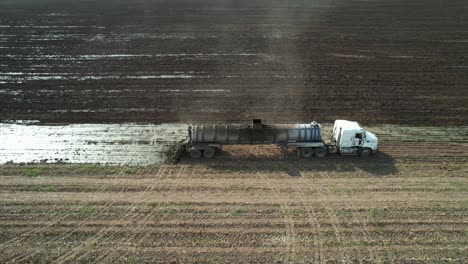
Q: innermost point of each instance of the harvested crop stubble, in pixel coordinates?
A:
(239, 209)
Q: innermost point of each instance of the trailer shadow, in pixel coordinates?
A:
(379, 164)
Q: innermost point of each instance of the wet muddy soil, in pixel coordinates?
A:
(163, 61)
(136, 144)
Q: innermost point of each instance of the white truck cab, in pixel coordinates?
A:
(350, 138)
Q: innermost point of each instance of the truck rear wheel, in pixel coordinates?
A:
(365, 152)
(195, 153)
(209, 153)
(320, 152)
(306, 152)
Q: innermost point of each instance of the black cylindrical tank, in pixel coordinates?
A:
(257, 134)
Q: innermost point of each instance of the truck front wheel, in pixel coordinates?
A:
(365, 152)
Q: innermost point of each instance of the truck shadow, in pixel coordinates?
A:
(379, 164)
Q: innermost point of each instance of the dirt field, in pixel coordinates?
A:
(384, 61)
(378, 62)
(407, 204)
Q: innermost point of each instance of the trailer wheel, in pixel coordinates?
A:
(306, 152)
(195, 153)
(320, 152)
(365, 152)
(209, 153)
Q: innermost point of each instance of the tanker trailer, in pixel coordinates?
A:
(307, 138)
(205, 139)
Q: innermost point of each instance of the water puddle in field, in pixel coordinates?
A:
(135, 144)
(20, 76)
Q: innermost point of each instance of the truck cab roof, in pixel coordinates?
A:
(348, 125)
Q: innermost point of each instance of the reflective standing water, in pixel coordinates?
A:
(136, 144)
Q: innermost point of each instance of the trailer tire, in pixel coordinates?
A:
(195, 153)
(320, 152)
(306, 152)
(365, 152)
(209, 153)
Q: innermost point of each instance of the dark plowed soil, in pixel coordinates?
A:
(387, 61)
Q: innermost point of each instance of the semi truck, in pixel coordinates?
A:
(348, 138)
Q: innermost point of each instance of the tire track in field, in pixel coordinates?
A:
(152, 213)
(319, 257)
(334, 221)
(190, 173)
(291, 239)
(81, 223)
(78, 249)
(25, 255)
(109, 256)
(363, 229)
(125, 219)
